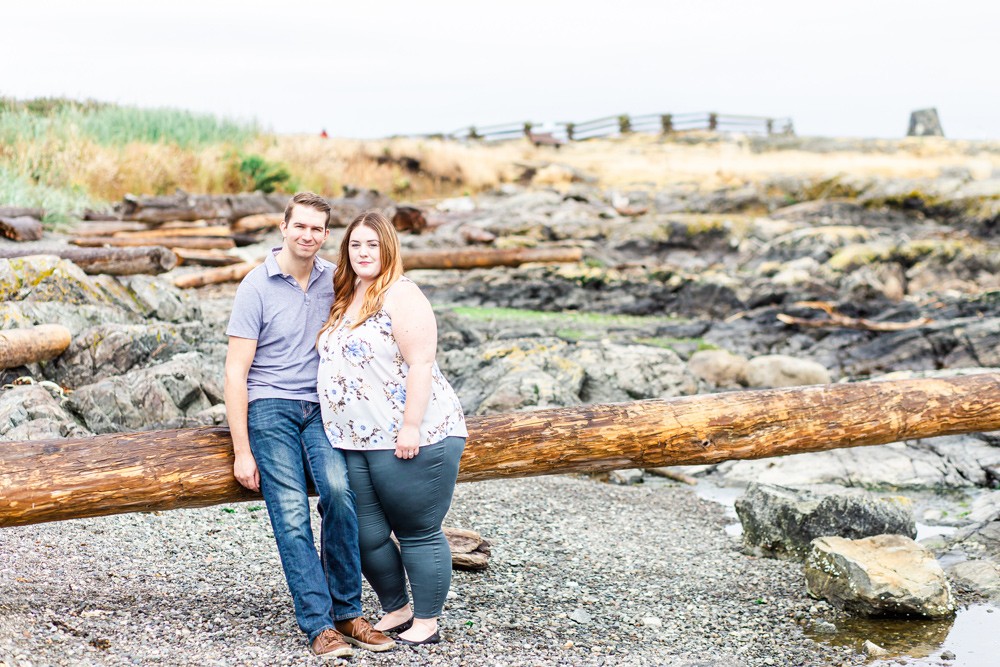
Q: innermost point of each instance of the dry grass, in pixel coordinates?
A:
(79, 164)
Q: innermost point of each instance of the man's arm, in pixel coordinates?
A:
(238, 359)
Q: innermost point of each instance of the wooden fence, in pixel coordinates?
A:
(615, 126)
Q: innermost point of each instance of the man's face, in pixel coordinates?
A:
(304, 233)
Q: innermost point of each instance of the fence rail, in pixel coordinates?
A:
(616, 126)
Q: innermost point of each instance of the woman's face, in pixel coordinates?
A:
(363, 250)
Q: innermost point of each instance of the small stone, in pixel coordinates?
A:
(652, 622)
(873, 650)
(825, 627)
(947, 655)
(568, 644)
(580, 616)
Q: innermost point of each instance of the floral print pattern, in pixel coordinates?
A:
(362, 389)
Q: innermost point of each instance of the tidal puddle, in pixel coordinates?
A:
(972, 636)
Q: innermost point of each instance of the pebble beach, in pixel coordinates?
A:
(581, 573)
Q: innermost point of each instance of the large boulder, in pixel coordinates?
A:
(782, 522)
(884, 575)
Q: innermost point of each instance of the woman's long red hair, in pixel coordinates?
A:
(345, 279)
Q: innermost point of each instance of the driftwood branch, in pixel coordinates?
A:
(226, 274)
(50, 480)
(189, 242)
(839, 321)
(472, 258)
(32, 344)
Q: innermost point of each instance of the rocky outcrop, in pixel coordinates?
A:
(181, 392)
(884, 575)
(782, 522)
(530, 373)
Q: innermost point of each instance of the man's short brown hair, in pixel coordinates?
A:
(312, 200)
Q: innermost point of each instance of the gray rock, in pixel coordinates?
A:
(779, 370)
(945, 462)
(31, 412)
(981, 576)
(981, 540)
(718, 367)
(532, 373)
(165, 396)
(159, 299)
(616, 373)
(625, 477)
(884, 575)
(782, 522)
(114, 349)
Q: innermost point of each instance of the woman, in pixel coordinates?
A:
(400, 424)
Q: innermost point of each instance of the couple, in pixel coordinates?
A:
(331, 384)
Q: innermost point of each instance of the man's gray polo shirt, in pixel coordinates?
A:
(271, 308)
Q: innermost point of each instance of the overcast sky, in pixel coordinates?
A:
(372, 68)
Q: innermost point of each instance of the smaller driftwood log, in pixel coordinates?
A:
(32, 344)
(113, 261)
(21, 228)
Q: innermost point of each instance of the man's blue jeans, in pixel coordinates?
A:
(292, 453)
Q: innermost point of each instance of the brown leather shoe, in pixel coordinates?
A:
(360, 632)
(331, 644)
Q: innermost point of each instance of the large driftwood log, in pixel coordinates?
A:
(113, 261)
(21, 228)
(49, 480)
(182, 206)
(190, 242)
(32, 344)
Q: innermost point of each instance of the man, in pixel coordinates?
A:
(278, 439)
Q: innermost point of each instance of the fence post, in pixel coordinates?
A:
(667, 123)
(624, 124)
(472, 133)
(770, 126)
(569, 131)
(713, 121)
(527, 129)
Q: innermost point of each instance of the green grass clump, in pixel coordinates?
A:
(112, 125)
(17, 190)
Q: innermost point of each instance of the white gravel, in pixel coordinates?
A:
(582, 573)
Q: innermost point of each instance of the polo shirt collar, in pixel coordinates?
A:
(271, 265)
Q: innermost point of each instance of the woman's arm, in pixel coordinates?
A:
(415, 331)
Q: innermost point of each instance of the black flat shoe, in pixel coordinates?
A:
(402, 627)
(433, 639)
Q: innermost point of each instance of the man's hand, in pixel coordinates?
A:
(246, 473)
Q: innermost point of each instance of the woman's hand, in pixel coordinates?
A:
(408, 442)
